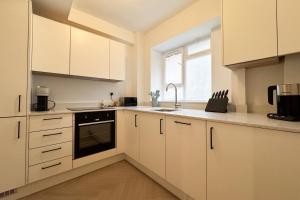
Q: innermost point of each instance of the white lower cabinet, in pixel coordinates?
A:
(47, 153)
(50, 137)
(186, 155)
(50, 168)
(252, 163)
(50, 146)
(152, 142)
(12, 152)
(131, 139)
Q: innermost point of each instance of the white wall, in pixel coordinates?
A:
(73, 90)
(221, 76)
(193, 16)
(257, 82)
(292, 69)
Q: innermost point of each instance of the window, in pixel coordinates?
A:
(189, 68)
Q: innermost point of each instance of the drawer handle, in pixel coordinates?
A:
(51, 166)
(188, 124)
(51, 150)
(54, 118)
(52, 134)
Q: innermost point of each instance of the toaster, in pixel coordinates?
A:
(128, 101)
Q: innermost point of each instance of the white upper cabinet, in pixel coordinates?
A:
(249, 30)
(153, 142)
(13, 57)
(12, 151)
(247, 163)
(117, 68)
(51, 46)
(288, 26)
(89, 54)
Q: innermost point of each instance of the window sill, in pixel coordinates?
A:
(184, 102)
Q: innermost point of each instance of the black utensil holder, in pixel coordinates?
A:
(217, 105)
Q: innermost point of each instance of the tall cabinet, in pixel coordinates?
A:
(13, 86)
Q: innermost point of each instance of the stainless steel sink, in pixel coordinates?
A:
(166, 110)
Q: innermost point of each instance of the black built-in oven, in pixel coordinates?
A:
(94, 132)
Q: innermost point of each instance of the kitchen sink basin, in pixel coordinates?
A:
(166, 110)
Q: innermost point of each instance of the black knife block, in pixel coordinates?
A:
(217, 105)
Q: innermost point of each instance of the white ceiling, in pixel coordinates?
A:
(134, 15)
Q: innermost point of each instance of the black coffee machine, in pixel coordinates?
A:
(42, 94)
(288, 102)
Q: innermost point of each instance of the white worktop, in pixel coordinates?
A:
(244, 119)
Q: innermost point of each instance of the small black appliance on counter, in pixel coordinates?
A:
(128, 101)
(218, 102)
(288, 102)
(42, 94)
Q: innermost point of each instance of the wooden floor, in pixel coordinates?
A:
(120, 181)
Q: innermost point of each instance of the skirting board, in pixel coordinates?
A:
(60, 178)
(178, 193)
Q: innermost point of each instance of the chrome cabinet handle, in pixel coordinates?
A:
(51, 166)
(183, 123)
(52, 134)
(19, 129)
(160, 126)
(19, 104)
(47, 151)
(54, 118)
(211, 137)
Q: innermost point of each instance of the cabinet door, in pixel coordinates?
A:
(252, 164)
(152, 142)
(51, 46)
(132, 135)
(288, 26)
(89, 54)
(117, 60)
(12, 152)
(186, 155)
(249, 30)
(13, 57)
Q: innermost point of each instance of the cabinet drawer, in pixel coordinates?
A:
(48, 122)
(44, 170)
(45, 138)
(44, 154)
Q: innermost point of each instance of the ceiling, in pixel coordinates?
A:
(134, 15)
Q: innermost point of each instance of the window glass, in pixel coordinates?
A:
(199, 46)
(173, 69)
(170, 95)
(198, 78)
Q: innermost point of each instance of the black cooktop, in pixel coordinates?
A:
(89, 108)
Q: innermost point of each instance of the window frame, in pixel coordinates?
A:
(185, 58)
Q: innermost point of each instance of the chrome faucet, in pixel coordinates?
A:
(177, 105)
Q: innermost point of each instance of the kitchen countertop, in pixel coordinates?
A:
(244, 119)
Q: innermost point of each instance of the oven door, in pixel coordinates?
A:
(94, 137)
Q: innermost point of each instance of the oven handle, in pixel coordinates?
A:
(93, 123)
